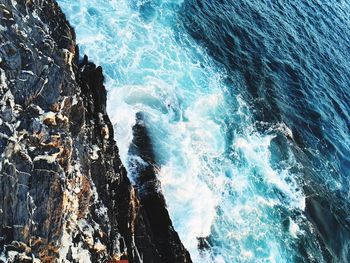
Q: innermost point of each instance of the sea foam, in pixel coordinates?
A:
(214, 167)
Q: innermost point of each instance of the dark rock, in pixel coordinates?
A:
(153, 205)
(64, 193)
(203, 243)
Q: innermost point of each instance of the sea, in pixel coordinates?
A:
(247, 104)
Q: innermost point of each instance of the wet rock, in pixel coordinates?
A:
(64, 193)
(153, 206)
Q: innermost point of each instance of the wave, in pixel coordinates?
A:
(234, 191)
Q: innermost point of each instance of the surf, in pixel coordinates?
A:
(233, 196)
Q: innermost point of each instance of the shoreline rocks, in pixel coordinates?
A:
(64, 193)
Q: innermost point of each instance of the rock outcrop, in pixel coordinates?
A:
(151, 198)
(64, 193)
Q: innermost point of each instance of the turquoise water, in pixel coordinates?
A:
(223, 180)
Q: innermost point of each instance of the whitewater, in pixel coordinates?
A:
(226, 186)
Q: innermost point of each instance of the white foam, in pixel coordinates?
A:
(3, 257)
(214, 184)
(294, 229)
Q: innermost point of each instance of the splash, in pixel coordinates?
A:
(216, 170)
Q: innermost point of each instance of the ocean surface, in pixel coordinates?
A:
(248, 109)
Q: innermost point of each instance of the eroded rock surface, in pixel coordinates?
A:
(64, 193)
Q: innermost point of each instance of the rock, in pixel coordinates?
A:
(153, 205)
(64, 193)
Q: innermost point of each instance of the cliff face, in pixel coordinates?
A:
(64, 193)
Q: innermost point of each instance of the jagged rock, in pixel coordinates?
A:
(152, 201)
(64, 193)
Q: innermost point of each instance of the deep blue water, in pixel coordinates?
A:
(248, 108)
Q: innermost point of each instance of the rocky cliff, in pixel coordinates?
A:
(64, 193)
